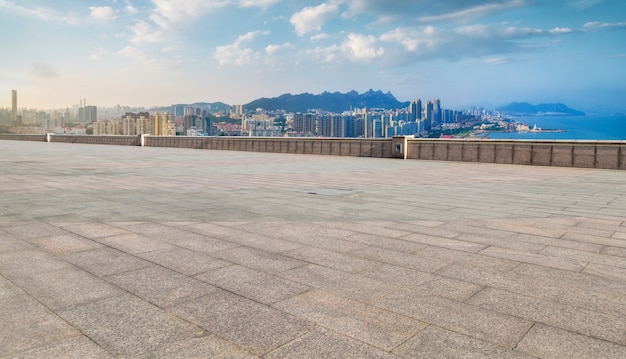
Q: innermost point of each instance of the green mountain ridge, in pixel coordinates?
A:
(334, 102)
(545, 109)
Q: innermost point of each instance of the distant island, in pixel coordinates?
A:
(546, 109)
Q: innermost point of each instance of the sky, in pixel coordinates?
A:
(464, 52)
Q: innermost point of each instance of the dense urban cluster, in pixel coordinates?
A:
(420, 119)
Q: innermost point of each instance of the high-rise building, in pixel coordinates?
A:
(13, 106)
(436, 112)
(415, 110)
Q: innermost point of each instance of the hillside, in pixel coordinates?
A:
(546, 109)
(334, 102)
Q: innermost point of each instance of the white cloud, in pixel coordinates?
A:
(236, 53)
(97, 56)
(363, 47)
(560, 30)
(130, 9)
(496, 61)
(145, 33)
(584, 4)
(603, 25)
(38, 12)
(317, 37)
(257, 3)
(44, 71)
(472, 12)
(103, 13)
(168, 12)
(311, 19)
(272, 49)
(413, 40)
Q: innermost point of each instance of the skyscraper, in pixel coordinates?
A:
(415, 110)
(13, 106)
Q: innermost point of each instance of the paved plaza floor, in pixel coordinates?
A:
(112, 251)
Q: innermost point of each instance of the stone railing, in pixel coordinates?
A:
(585, 154)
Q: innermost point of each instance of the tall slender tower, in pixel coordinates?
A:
(14, 106)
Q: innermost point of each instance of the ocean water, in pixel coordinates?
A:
(576, 128)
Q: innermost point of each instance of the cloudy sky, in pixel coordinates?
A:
(160, 52)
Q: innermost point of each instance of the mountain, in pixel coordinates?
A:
(545, 109)
(334, 102)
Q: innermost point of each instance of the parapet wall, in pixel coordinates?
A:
(585, 154)
(326, 146)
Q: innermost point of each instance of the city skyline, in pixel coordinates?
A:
(158, 52)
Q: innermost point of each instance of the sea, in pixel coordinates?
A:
(576, 128)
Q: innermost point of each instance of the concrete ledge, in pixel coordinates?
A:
(583, 154)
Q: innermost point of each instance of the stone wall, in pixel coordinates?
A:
(585, 154)
(334, 147)
(35, 138)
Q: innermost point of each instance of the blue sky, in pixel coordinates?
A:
(160, 52)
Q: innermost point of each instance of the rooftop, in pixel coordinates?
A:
(120, 251)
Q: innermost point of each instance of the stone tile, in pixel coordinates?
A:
(323, 257)
(135, 243)
(252, 284)
(444, 242)
(29, 262)
(34, 230)
(323, 343)
(205, 346)
(263, 242)
(184, 261)
(200, 243)
(213, 230)
(427, 231)
(496, 328)
(65, 288)
(377, 327)
(554, 242)
(414, 261)
(8, 243)
(535, 258)
(251, 325)
(161, 286)
(385, 242)
(106, 261)
(151, 229)
(257, 259)
(94, 230)
(75, 347)
(602, 295)
(127, 326)
(614, 251)
(27, 324)
(476, 260)
(547, 342)
(435, 342)
(335, 244)
(65, 243)
(610, 272)
(583, 256)
(365, 227)
(424, 283)
(316, 276)
(491, 240)
(583, 321)
(603, 241)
